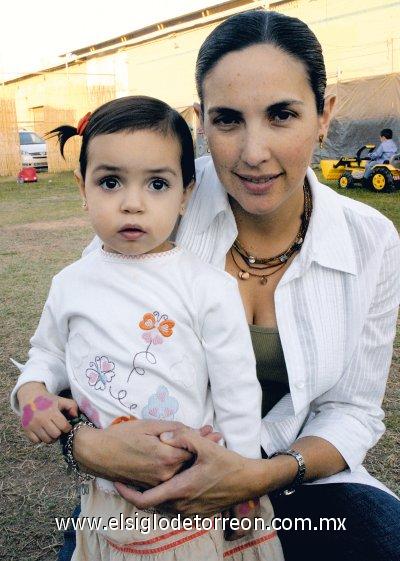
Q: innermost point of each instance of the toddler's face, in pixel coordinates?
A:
(134, 190)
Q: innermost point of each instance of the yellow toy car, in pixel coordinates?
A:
(349, 171)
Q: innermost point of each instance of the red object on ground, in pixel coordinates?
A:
(27, 175)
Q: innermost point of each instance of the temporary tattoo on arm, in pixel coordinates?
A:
(40, 403)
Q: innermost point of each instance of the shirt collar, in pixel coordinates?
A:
(213, 199)
(328, 240)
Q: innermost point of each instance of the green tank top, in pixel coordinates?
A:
(271, 367)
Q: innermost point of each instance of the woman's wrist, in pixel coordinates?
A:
(129, 452)
(67, 443)
(86, 450)
(321, 459)
(272, 474)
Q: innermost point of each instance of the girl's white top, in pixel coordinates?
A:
(160, 336)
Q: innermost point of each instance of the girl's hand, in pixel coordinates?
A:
(218, 479)
(41, 418)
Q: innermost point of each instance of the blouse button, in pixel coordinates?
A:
(300, 385)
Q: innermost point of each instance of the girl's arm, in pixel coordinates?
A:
(235, 390)
(43, 376)
(46, 361)
(231, 364)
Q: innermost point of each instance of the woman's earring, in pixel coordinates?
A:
(321, 140)
(183, 210)
(84, 203)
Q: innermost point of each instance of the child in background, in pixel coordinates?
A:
(142, 328)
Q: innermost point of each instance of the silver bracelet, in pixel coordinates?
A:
(73, 467)
(301, 470)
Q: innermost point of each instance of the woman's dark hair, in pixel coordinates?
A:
(291, 35)
(130, 114)
(387, 133)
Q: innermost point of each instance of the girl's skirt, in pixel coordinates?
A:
(111, 529)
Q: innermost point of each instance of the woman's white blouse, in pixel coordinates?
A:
(336, 308)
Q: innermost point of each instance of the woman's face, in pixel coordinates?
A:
(261, 122)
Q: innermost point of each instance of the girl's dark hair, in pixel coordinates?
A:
(133, 113)
(291, 35)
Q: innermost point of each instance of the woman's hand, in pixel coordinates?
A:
(218, 479)
(131, 452)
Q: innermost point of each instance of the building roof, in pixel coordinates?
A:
(197, 18)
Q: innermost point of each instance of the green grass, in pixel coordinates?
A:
(387, 203)
(43, 228)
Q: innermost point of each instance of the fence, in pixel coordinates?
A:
(43, 102)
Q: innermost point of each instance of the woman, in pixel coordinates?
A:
(318, 275)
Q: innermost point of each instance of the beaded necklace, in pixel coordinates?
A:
(277, 261)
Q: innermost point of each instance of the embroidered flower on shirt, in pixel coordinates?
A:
(154, 324)
(91, 413)
(157, 327)
(100, 372)
(161, 406)
(123, 419)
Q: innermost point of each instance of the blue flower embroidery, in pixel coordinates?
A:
(161, 406)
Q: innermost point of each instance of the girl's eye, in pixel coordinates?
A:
(158, 184)
(110, 183)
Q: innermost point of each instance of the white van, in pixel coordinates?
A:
(33, 146)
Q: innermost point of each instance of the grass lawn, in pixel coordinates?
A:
(43, 229)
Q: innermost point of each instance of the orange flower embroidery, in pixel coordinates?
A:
(123, 419)
(157, 328)
(155, 323)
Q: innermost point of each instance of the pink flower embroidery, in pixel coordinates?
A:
(101, 372)
(91, 413)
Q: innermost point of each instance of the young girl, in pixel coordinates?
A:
(143, 329)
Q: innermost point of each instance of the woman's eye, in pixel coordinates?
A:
(109, 183)
(226, 121)
(158, 184)
(282, 116)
